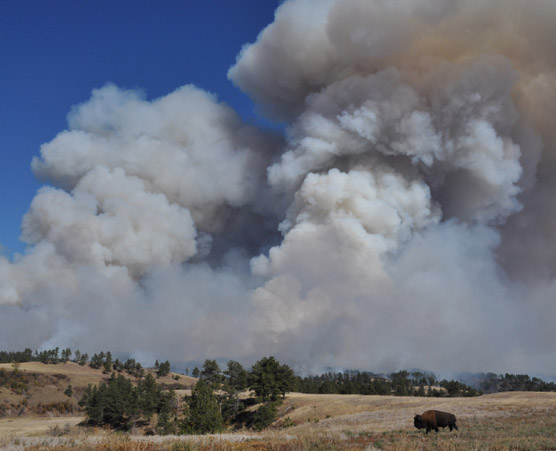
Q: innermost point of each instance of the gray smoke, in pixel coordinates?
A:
(404, 221)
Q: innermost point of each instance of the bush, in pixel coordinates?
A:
(69, 391)
(265, 416)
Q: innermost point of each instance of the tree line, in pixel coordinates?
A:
(102, 360)
(401, 383)
(493, 383)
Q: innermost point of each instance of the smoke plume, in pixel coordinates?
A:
(403, 220)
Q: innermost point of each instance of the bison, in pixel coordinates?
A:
(434, 419)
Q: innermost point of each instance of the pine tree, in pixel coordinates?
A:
(66, 355)
(163, 369)
(236, 376)
(203, 416)
(96, 361)
(149, 394)
(94, 404)
(264, 416)
(165, 425)
(120, 404)
(268, 379)
(107, 363)
(236, 381)
(211, 373)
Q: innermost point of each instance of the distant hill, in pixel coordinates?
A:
(34, 388)
(496, 383)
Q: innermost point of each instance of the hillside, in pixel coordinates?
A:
(517, 420)
(38, 389)
(36, 412)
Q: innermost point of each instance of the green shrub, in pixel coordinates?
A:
(264, 416)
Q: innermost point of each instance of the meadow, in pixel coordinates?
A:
(503, 421)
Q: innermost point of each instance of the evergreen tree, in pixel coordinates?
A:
(94, 406)
(268, 379)
(163, 369)
(165, 424)
(150, 393)
(211, 373)
(107, 363)
(421, 391)
(203, 416)
(96, 361)
(236, 376)
(401, 384)
(66, 355)
(87, 395)
(236, 381)
(139, 370)
(121, 402)
(264, 416)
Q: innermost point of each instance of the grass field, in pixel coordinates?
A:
(27, 426)
(517, 421)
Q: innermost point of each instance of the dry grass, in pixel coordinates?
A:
(77, 375)
(388, 413)
(517, 421)
(44, 386)
(23, 426)
(81, 376)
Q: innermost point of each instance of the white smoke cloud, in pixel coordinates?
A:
(404, 221)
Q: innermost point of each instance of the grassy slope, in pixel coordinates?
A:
(502, 421)
(519, 420)
(45, 385)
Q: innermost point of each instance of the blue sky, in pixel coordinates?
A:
(52, 54)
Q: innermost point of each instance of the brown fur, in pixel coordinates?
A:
(434, 419)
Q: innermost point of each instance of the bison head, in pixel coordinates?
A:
(418, 422)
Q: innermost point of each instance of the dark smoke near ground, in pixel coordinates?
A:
(405, 220)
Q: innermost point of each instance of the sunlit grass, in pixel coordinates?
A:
(516, 421)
